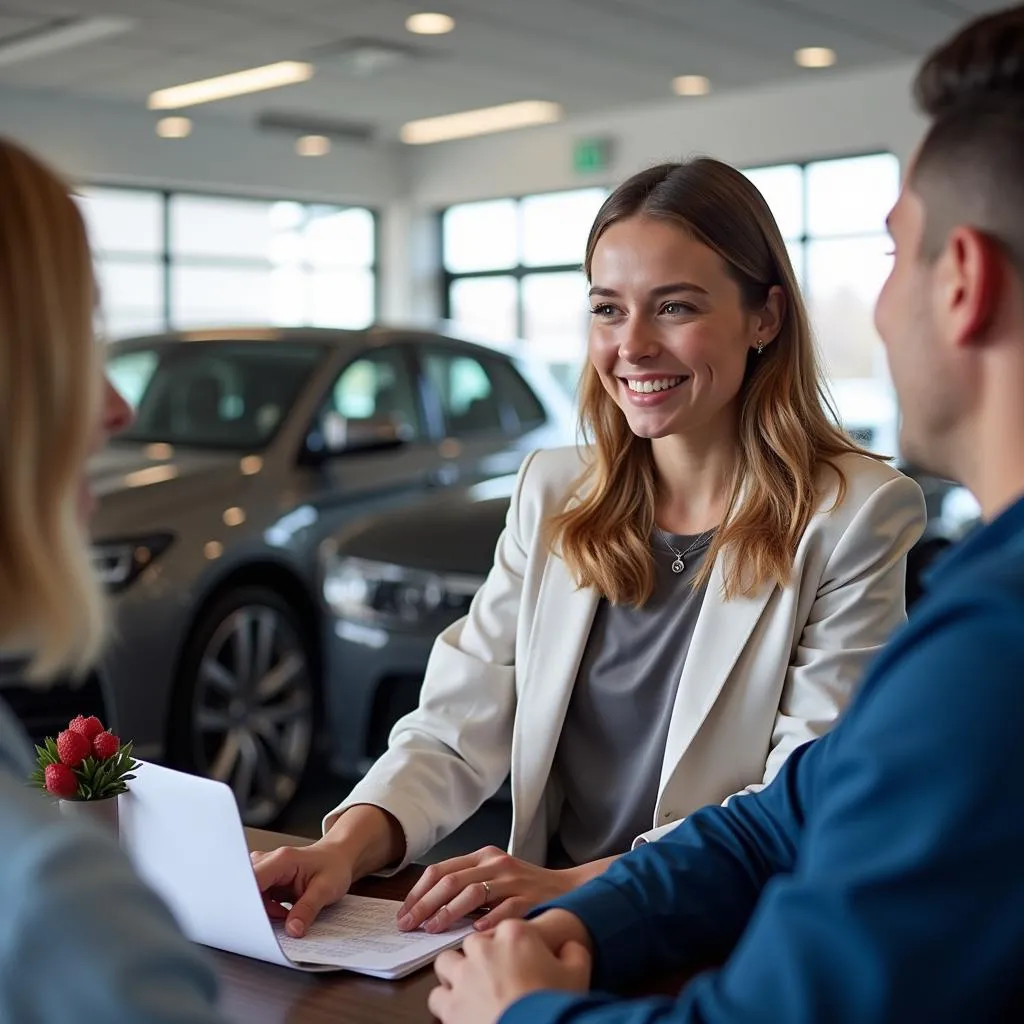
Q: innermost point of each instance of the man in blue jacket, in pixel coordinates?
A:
(880, 878)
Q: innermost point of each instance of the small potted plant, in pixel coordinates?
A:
(85, 768)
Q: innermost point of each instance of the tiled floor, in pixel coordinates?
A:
(489, 826)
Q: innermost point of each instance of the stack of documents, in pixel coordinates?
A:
(360, 934)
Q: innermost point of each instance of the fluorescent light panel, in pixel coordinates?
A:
(484, 121)
(238, 83)
(59, 36)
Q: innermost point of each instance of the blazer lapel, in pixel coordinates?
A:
(720, 634)
(562, 621)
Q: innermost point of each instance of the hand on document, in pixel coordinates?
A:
(497, 968)
(308, 877)
(507, 886)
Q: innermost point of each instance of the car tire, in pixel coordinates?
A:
(245, 701)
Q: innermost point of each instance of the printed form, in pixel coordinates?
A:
(359, 934)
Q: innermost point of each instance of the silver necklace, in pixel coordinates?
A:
(679, 565)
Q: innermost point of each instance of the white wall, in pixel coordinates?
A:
(828, 115)
(115, 143)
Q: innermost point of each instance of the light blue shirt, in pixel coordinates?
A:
(81, 938)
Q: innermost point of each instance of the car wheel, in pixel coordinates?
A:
(245, 701)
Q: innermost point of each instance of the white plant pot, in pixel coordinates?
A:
(103, 812)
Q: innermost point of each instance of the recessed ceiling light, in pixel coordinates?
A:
(430, 24)
(238, 83)
(691, 85)
(313, 145)
(815, 57)
(484, 121)
(174, 127)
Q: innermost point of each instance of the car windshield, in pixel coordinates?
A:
(231, 395)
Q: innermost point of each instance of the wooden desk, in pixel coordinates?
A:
(254, 992)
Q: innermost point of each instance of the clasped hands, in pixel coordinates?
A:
(498, 967)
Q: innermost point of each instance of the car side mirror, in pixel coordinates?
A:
(335, 436)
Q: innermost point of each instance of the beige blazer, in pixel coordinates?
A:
(764, 673)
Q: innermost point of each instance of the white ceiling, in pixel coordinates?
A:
(590, 55)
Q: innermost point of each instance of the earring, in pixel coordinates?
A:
(760, 347)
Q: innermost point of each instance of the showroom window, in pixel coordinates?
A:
(178, 260)
(832, 215)
(512, 273)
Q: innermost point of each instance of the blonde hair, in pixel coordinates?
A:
(785, 430)
(51, 604)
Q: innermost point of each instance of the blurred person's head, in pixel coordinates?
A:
(952, 311)
(698, 332)
(55, 410)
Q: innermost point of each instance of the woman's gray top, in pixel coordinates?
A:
(610, 753)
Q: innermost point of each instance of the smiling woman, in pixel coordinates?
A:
(673, 608)
(691, 281)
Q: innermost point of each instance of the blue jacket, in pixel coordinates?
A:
(81, 938)
(880, 877)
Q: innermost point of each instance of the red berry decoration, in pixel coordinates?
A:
(73, 748)
(105, 745)
(89, 727)
(85, 762)
(61, 781)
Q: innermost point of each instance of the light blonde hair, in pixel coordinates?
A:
(51, 603)
(786, 433)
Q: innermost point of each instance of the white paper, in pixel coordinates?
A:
(184, 836)
(361, 934)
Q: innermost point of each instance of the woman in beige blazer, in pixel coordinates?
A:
(673, 608)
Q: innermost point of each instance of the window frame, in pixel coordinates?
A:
(519, 271)
(166, 259)
(806, 237)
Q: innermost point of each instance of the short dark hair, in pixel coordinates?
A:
(970, 166)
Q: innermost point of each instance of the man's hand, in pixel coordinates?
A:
(496, 969)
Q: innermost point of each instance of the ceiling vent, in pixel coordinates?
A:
(365, 57)
(302, 124)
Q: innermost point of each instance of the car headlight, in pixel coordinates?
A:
(118, 563)
(380, 594)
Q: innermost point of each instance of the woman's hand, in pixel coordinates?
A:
(489, 878)
(363, 839)
(478, 984)
(308, 877)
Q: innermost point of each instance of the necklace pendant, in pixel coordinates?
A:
(678, 566)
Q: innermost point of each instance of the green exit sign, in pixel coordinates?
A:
(592, 155)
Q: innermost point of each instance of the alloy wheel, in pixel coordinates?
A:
(253, 710)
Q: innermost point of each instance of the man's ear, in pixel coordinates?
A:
(971, 274)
